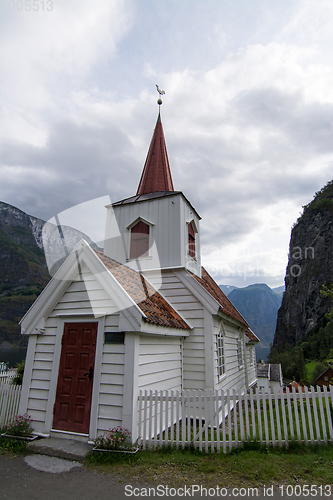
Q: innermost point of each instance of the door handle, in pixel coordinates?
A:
(89, 373)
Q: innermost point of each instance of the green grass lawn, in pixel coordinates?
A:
(309, 369)
(252, 467)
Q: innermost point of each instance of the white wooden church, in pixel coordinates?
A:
(142, 315)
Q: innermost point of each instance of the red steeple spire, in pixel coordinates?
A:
(156, 175)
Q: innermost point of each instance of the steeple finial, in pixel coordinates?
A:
(161, 92)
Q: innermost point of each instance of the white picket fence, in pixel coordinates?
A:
(6, 376)
(221, 420)
(9, 402)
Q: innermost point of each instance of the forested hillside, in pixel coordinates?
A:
(303, 332)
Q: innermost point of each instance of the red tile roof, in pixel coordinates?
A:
(298, 387)
(156, 175)
(151, 303)
(227, 307)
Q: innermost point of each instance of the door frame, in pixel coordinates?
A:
(81, 318)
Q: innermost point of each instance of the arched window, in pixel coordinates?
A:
(139, 240)
(220, 352)
(191, 240)
(240, 351)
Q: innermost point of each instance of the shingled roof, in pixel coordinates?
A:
(156, 175)
(227, 307)
(157, 310)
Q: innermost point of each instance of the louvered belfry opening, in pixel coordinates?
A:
(156, 175)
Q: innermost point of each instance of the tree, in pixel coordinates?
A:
(17, 380)
(318, 370)
(327, 292)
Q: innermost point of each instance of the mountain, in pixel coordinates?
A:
(24, 271)
(279, 290)
(227, 289)
(310, 266)
(258, 304)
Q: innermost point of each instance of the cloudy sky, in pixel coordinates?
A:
(247, 114)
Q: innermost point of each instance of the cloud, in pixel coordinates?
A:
(46, 55)
(247, 115)
(78, 163)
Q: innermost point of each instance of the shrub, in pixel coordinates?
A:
(20, 426)
(115, 439)
(17, 380)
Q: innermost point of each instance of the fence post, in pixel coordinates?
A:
(241, 419)
(308, 409)
(224, 437)
(172, 423)
(284, 419)
(315, 412)
(328, 412)
(331, 416)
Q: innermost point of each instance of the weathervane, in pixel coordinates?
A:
(161, 92)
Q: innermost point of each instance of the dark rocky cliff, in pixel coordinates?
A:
(310, 266)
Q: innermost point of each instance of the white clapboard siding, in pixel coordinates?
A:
(84, 295)
(159, 365)
(111, 390)
(251, 364)
(191, 309)
(213, 420)
(112, 321)
(167, 216)
(41, 376)
(159, 362)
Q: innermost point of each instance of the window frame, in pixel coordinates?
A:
(220, 352)
(191, 241)
(240, 352)
(143, 239)
(252, 355)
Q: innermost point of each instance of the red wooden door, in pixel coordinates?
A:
(75, 378)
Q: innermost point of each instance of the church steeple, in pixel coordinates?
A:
(156, 175)
(158, 228)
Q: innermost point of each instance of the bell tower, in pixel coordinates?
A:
(158, 228)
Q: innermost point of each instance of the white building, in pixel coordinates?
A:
(269, 377)
(143, 315)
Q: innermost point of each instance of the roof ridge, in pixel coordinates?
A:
(227, 306)
(153, 305)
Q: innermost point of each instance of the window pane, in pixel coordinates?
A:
(139, 240)
(191, 241)
(240, 352)
(220, 354)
